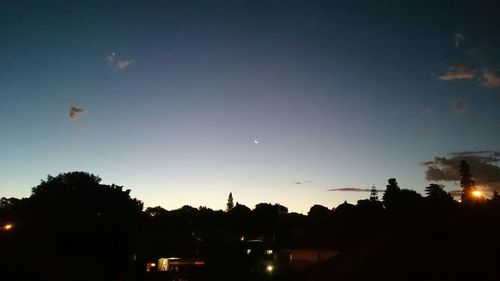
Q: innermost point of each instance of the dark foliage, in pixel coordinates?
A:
(466, 181)
(230, 203)
(319, 212)
(74, 228)
(400, 202)
(72, 223)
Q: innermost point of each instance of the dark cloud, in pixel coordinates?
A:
(75, 111)
(297, 182)
(483, 167)
(490, 78)
(440, 174)
(354, 189)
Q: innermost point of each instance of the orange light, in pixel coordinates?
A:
(7, 226)
(477, 193)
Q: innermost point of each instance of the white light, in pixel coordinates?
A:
(269, 268)
(249, 251)
(269, 252)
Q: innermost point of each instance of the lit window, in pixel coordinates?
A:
(150, 266)
(269, 252)
(163, 264)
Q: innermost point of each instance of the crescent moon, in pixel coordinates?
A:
(256, 141)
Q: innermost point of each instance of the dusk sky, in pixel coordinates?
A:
(275, 101)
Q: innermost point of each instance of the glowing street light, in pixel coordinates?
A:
(269, 268)
(7, 227)
(477, 193)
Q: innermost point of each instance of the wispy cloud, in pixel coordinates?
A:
(483, 165)
(459, 106)
(302, 182)
(458, 38)
(117, 62)
(122, 64)
(75, 112)
(490, 78)
(354, 189)
(478, 64)
(486, 77)
(458, 73)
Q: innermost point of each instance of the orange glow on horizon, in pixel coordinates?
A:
(477, 193)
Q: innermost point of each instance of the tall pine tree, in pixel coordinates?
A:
(466, 181)
(374, 194)
(230, 203)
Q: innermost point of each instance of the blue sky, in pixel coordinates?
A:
(173, 95)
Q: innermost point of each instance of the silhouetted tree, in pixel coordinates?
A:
(267, 216)
(466, 181)
(369, 207)
(240, 209)
(399, 201)
(79, 224)
(270, 209)
(373, 194)
(240, 219)
(494, 202)
(437, 193)
(185, 215)
(9, 203)
(155, 211)
(208, 218)
(345, 208)
(230, 203)
(391, 193)
(75, 228)
(319, 212)
(13, 211)
(410, 200)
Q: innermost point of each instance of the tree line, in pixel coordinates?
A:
(72, 227)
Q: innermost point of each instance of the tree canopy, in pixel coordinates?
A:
(76, 217)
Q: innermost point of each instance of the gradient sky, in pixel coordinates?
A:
(170, 96)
